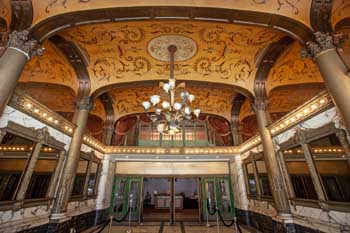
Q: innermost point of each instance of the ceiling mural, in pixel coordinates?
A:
(52, 68)
(5, 14)
(118, 51)
(296, 9)
(212, 100)
(340, 10)
(98, 110)
(285, 99)
(291, 69)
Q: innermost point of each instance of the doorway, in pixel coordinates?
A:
(126, 193)
(217, 192)
(187, 199)
(157, 199)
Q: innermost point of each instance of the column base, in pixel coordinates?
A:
(283, 223)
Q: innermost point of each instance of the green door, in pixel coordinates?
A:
(219, 190)
(126, 192)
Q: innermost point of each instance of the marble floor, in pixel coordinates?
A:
(176, 228)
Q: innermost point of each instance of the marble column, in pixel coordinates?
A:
(316, 179)
(21, 192)
(239, 185)
(236, 134)
(19, 50)
(55, 177)
(73, 156)
(275, 177)
(341, 134)
(107, 135)
(335, 73)
(284, 170)
(257, 180)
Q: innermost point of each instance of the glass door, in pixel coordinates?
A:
(219, 193)
(126, 193)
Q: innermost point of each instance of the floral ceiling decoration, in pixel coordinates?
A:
(118, 51)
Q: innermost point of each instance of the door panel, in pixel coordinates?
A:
(219, 191)
(126, 192)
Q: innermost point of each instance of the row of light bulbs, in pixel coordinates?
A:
(300, 115)
(319, 150)
(46, 116)
(283, 124)
(173, 150)
(94, 143)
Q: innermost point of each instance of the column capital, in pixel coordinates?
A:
(322, 42)
(19, 40)
(84, 103)
(259, 103)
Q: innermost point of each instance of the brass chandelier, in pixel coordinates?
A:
(167, 110)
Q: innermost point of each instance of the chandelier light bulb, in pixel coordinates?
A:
(165, 104)
(187, 110)
(158, 111)
(196, 112)
(183, 95)
(177, 106)
(155, 99)
(146, 104)
(161, 127)
(191, 97)
(172, 83)
(166, 87)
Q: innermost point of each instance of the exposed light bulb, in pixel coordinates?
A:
(165, 104)
(146, 104)
(161, 127)
(191, 97)
(196, 112)
(158, 111)
(188, 110)
(155, 99)
(177, 106)
(166, 87)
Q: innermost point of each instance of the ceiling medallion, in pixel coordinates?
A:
(158, 47)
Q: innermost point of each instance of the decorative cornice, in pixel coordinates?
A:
(52, 25)
(322, 42)
(20, 41)
(316, 105)
(320, 15)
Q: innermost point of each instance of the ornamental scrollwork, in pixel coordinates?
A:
(62, 3)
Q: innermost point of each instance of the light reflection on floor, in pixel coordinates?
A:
(176, 228)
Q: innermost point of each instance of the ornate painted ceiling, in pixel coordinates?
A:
(212, 100)
(291, 69)
(296, 9)
(118, 51)
(52, 68)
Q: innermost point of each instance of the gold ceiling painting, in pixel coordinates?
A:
(291, 69)
(5, 13)
(52, 68)
(296, 9)
(212, 100)
(118, 51)
(340, 11)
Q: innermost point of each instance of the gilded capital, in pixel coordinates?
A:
(322, 41)
(20, 41)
